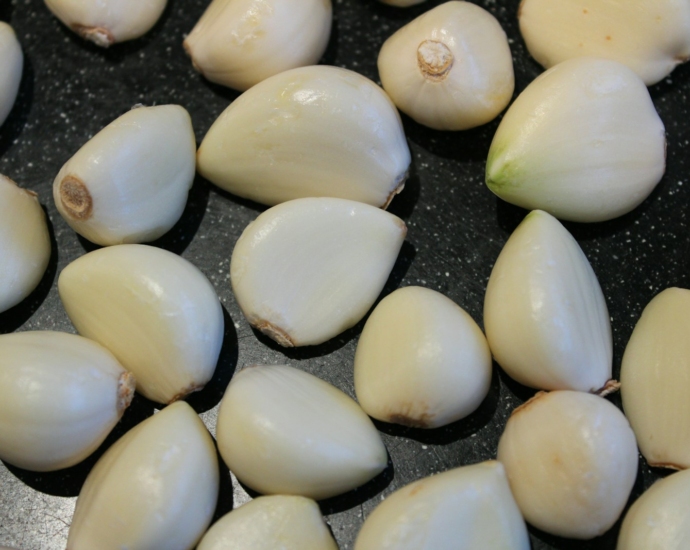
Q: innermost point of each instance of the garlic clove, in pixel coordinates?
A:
(660, 518)
(461, 509)
(11, 68)
(649, 36)
(60, 395)
(24, 243)
(421, 360)
(239, 43)
(307, 132)
(156, 487)
(308, 269)
(268, 523)
(156, 312)
(129, 183)
(106, 22)
(583, 142)
(655, 383)
(449, 69)
(571, 460)
(284, 431)
(545, 315)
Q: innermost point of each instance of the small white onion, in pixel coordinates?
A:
(239, 43)
(308, 132)
(466, 508)
(571, 460)
(421, 360)
(156, 487)
(308, 269)
(24, 243)
(660, 518)
(283, 431)
(449, 69)
(545, 315)
(655, 383)
(105, 22)
(11, 68)
(271, 523)
(156, 312)
(60, 395)
(129, 183)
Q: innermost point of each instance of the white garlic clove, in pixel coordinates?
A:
(421, 360)
(284, 431)
(308, 132)
(60, 395)
(449, 69)
(24, 243)
(583, 141)
(654, 380)
(239, 43)
(156, 487)
(649, 36)
(461, 509)
(545, 315)
(268, 523)
(155, 311)
(306, 270)
(571, 460)
(129, 183)
(106, 22)
(660, 518)
(11, 68)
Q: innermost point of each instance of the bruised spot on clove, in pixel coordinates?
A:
(75, 198)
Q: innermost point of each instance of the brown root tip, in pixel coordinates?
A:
(275, 333)
(612, 386)
(98, 35)
(75, 198)
(125, 391)
(399, 186)
(530, 401)
(667, 465)
(519, 10)
(434, 60)
(682, 59)
(404, 420)
(185, 392)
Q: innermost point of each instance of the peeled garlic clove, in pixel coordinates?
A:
(571, 460)
(105, 22)
(129, 183)
(306, 270)
(284, 431)
(421, 360)
(654, 380)
(460, 509)
(24, 243)
(545, 315)
(60, 395)
(156, 487)
(239, 43)
(449, 69)
(308, 132)
(660, 518)
(650, 36)
(583, 142)
(268, 523)
(156, 312)
(11, 68)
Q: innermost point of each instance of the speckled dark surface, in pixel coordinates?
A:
(71, 89)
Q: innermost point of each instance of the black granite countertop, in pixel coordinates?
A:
(71, 89)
